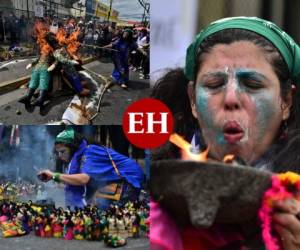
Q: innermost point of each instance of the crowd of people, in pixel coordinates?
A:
(113, 225)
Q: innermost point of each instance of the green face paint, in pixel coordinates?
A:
(251, 88)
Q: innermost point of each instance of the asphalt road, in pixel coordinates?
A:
(112, 107)
(32, 242)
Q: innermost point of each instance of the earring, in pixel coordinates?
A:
(285, 129)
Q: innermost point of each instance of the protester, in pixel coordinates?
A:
(239, 92)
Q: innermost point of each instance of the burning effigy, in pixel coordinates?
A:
(40, 77)
(201, 194)
(55, 51)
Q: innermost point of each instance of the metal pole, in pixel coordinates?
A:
(27, 9)
(110, 5)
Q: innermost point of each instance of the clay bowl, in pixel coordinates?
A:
(201, 193)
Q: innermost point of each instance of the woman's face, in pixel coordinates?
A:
(125, 34)
(63, 152)
(237, 101)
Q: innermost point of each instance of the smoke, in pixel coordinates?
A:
(34, 153)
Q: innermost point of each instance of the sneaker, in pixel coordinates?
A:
(124, 86)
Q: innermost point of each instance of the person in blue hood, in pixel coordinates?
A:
(92, 167)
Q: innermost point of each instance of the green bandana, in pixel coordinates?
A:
(66, 137)
(129, 31)
(287, 47)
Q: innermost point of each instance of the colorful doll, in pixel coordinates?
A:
(112, 227)
(68, 228)
(128, 224)
(78, 229)
(88, 227)
(39, 227)
(96, 229)
(115, 241)
(48, 228)
(135, 225)
(143, 217)
(104, 227)
(57, 227)
(40, 76)
(25, 221)
(120, 225)
(11, 229)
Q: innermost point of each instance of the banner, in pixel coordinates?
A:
(89, 7)
(39, 10)
(102, 10)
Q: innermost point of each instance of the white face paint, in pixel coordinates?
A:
(237, 101)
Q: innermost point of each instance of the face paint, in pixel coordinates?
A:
(241, 81)
(255, 86)
(238, 101)
(202, 97)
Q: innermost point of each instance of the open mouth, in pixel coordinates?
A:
(233, 132)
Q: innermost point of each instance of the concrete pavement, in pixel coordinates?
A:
(113, 105)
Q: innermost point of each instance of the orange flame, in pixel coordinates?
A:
(73, 44)
(186, 153)
(228, 158)
(61, 37)
(186, 149)
(41, 29)
(70, 42)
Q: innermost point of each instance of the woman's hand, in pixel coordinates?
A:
(287, 223)
(45, 175)
(52, 67)
(28, 66)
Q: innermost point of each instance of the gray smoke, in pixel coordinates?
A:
(23, 162)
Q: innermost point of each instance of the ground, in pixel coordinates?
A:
(112, 107)
(32, 242)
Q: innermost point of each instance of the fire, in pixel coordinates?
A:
(73, 44)
(228, 158)
(187, 154)
(41, 29)
(70, 42)
(61, 37)
(186, 149)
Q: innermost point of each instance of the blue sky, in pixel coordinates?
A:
(128, 9)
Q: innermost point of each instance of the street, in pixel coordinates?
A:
(113, 104)
(32, 242)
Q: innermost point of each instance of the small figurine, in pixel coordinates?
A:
(78, 229)
(115, 241)
(57, 227)
(68, 228)
(135, 225)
